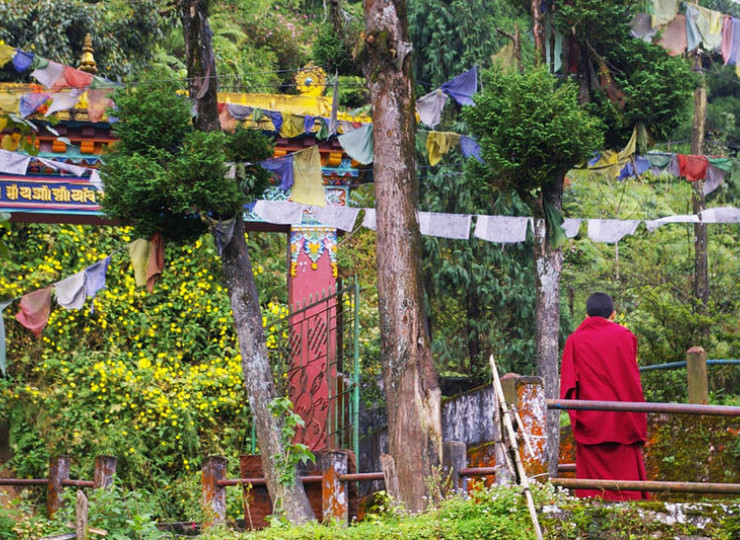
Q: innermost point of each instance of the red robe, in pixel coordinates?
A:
(599, 364)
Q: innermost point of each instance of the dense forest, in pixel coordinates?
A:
(155, 378)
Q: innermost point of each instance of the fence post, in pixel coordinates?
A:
(81, 515)
(58, 472)
(696, 370)
(334, 496)
(105, 470)
(454, 458)
(214, 496)
(527, 396)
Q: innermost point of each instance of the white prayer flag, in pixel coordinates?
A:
(66, 167)
(653, 224)
(12, 163)
(63, 101)
(611, 230)
(71, 292)
(337, 217)
(571, 226)
(721, 214)
(48, 75)
(502, 229)
(456, 226)
(279, 212)
(368, 221)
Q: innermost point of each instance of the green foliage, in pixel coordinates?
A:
(154, 379)
(657, 87)
(162, 172)
(450, 37)
(124, 514)
(56, 29)
(332, 52)
(531, 130)
(480, 297)
(294, 453)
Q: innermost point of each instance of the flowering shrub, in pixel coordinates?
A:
(154, 379)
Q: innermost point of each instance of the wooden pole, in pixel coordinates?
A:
(81, 515)
(58, 472)
(214, 496)
(523, 480)
(105, 470)
(696, 370)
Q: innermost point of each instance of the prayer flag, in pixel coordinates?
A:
(279, 212)
(71, 291)
(462, 87)
(456, 226)
(358, 143)
(308, 184)
(502, 229)
(35, 310)
(611, 230)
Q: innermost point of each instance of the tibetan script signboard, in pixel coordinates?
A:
(43, 194)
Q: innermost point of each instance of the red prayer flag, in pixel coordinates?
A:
(35, 310)
(97, 102)
(156, 261)
(693, 167)
(72, 77)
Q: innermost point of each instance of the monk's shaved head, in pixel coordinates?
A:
(599, 304)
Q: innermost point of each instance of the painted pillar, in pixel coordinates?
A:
(312, 373)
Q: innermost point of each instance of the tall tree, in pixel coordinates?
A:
(184, 174)
(411, 387)
(532, 131)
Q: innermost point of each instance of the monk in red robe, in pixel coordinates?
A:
(600, 364)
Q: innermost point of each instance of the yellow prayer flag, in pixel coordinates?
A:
(308, 185)
(292, 126)
(139, 251)
(9, 103)
(6, 54)
(439, 143)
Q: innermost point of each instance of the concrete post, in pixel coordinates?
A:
(334, 496)
(531, 409)
(105, 470)
(696, 370)
(58, 472)
(214, 496)
(454, 458)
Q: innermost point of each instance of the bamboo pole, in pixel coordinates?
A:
(523, 480)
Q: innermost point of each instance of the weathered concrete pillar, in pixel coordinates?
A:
(334, 495)
(526, 395)
(696, 371)
(105, 470)
(58, 472)
(214, 496)
(454, 458)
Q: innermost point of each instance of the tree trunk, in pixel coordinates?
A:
(538, 31)
(410, 379)
(201, 64)
(548, 263)
(239, 279)
(258, 378)
(701, 264)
